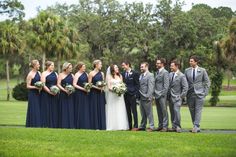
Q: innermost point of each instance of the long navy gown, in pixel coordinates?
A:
(66, 105)
(33, 111)
(82, 117)
(97, 105)
(49, 104)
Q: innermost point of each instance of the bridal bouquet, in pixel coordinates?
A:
(39, 84)
(54, 89)
(119, 89)
(101, 84)
(70, 88)
(88, 86)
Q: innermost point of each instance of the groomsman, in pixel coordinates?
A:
(199, 84)
(131, 79)
(160, 94)
(146, 81)
(177, 91)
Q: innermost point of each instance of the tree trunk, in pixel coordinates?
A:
(43, 63)
(59, 63)
(229, 78)
(8, 80)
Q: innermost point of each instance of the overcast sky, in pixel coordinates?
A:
(32, 5)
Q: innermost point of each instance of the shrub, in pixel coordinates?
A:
(20, 92)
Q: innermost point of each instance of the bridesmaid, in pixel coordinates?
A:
(33, 111)
(97, 98)
(82, 119)
(49, 100)
(66, 98)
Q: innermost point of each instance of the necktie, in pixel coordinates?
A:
(173, 77)
(193, 74)
(126, 75)
(142, 76)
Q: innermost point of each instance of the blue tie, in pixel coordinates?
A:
(193, 74)
(172, 77)
(126, 75)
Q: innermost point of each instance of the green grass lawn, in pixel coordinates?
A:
(62, 142)
(27, 142)
(14, 113)
(232, 82)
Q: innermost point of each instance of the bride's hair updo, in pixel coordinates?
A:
(112, 69)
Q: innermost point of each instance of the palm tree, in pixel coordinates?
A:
(44, 28)
(229, 43)
(66, 45)
(11, 43)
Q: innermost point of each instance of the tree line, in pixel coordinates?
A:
(112, 32)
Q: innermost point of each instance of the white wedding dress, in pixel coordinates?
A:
(116, 115)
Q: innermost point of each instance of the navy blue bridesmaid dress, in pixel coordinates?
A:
(33, 111)
(49, 104)
(97, 105)
(66, 105)
(82, 117)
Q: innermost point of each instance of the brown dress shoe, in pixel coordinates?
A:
(158, 129)
(141, 129)
(172, 130)
(134, 129)
(164, 130)
(149, 130)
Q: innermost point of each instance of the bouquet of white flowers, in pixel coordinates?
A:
(39, 84)
(88, 86)
(119, 89)
(54, 89)
(101, 84)
(70, 88)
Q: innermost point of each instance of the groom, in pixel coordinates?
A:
(131, 79)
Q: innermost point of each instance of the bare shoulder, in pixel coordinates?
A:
(30, 75)
(91, 73)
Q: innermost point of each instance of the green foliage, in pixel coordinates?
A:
(20, 92)
(216, 86)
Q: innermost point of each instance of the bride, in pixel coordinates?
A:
(116, 115)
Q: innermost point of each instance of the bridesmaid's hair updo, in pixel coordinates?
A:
(112, 70)
(48, 64)
(79, 65)
(65, 66)
(96, 62)
(33, 63)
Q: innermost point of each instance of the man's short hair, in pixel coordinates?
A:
(163, 60)
(194, 57)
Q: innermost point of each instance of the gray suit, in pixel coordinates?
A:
(160, 94)
(198, 89)
(146, 92)
(177, 91)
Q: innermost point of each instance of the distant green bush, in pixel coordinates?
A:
(20, 92)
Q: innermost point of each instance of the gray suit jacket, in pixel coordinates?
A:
(200, 86)
(178, 87)
(146, 86)
(161, 84)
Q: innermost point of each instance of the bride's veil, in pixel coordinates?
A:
(108, 77)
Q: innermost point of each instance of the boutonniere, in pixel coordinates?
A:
(198, 70)
(176, 74)
(130, 73)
